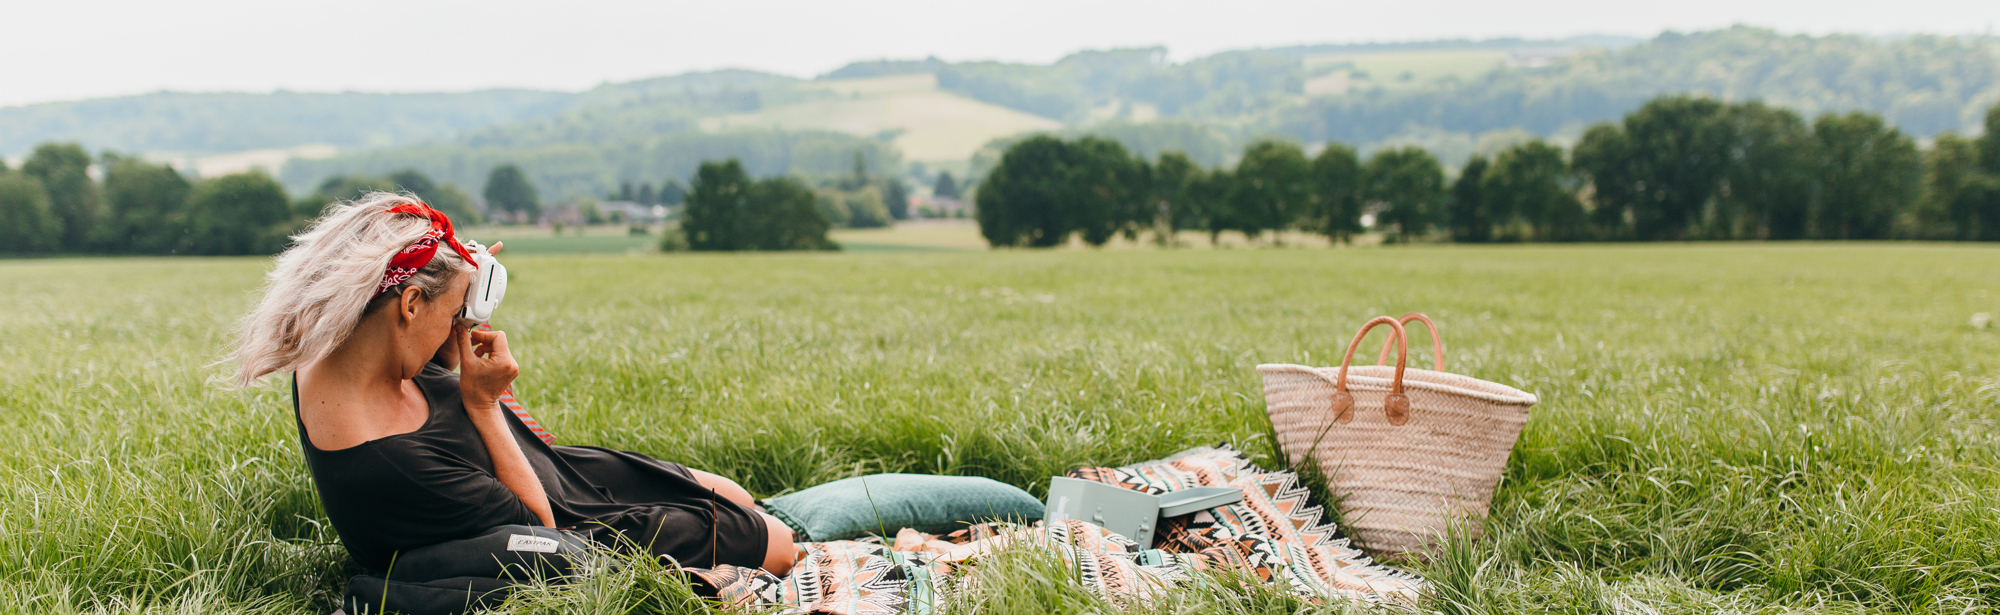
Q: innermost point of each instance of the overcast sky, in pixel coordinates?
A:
(72, 49)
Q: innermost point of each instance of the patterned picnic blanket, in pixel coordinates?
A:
(1276, 534)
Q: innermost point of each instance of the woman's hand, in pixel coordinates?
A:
(484, 371)
(485, 368)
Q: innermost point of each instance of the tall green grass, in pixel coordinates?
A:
(1740, 428)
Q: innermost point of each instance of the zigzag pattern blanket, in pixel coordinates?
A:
(1277, 534)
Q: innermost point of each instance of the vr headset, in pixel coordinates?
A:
(489, 286)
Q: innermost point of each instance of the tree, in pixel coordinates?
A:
(1023, 200)
(1868, 173)
(241, 213)
(350, 187)
(782, 213)
(62, 169)
(28, 224)
(672, 192)
(1274, 187)
(1468, 215)
(1336, 211)
(1408, 184)
(1962, 182)
(414, 182)
(1529, 188)
(508, 191)
(896, 197)
(1175, 207)
(146, 207)
(719, 198)
(645, 195)
(1770, 175)
(1680, 150)
(1107, 189)
(1210, 191)
(1989, 143)
(1605, 160)
(864, 208)
(946, 187)
(444, 197)
(337, 188)
(834, 206)
(726, 211)
(858, 177)
(1960, 200)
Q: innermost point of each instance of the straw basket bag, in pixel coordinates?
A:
(1409, 453)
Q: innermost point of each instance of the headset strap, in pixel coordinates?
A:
(513, 405)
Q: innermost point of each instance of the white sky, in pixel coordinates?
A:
(72, 49)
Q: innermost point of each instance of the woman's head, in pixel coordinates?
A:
(326, 284)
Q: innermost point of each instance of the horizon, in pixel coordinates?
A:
(203, 49)
(824, 75)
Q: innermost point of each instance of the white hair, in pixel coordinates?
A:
(325, 283)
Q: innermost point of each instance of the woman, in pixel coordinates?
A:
(405, 453)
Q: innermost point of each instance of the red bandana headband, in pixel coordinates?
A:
(406, 263)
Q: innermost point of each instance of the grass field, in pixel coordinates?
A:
(1724, 429)
(927, 124)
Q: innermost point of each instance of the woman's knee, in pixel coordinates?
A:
(724, 487)
(780, 552)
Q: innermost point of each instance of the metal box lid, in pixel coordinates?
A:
(1132, 514)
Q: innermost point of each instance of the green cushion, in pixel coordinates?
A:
(863, 505)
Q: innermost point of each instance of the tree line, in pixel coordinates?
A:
(597, 168)
(57, 203)
(53, 204)
(1677, 168)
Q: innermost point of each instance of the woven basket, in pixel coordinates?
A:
(1409, 452)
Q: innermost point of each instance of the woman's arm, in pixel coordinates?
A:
(485, 369)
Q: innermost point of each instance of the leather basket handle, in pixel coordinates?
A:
(1396, 405)
(1437, 341)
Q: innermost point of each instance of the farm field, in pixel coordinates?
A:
(1403, 70)
(534, 240)
(925, 123)
(1723, 428)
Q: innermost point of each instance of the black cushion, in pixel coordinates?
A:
(457, 577)
(368, 595)
(509, 551)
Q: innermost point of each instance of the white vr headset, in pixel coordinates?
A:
(489, 286)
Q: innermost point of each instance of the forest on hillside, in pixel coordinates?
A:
(1444, 96)
(1924, 84)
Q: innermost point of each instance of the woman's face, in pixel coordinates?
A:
(431, 325)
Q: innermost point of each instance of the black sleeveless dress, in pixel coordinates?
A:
(437, 484)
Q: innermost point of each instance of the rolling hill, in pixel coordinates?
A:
(928, 125)
(1447, 96)
(214, 123)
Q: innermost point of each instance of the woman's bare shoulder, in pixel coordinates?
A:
(339, 416)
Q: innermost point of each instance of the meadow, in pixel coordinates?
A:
(1723, 428)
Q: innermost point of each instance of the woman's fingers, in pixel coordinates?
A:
(482, 341)
(463, 337)
(495, 250)
(499, 347)
(486, 369)
(488, 353)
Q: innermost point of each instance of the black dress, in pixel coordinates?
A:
(437, 484)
